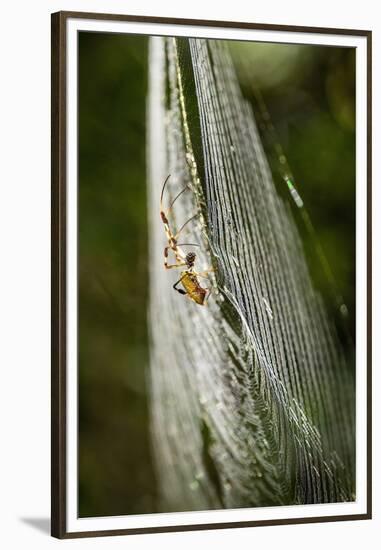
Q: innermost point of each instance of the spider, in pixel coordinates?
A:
(189, 277)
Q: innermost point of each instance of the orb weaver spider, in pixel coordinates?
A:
(189, 277)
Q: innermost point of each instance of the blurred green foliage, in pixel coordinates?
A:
(115, 468)
(309, 92)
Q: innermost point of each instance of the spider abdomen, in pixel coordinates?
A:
(193, 288)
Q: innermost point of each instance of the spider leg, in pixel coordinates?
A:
(184, 225)
(179, 290)
(170, 266)
(173, 201)
(203, 274)
(208, 295)
(186, 188)
(174, 265)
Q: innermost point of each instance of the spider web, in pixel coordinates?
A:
(252, 402)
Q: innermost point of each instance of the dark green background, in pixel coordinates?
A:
(115, 473)
(309, 92)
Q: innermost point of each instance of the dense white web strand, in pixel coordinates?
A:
(250, 395)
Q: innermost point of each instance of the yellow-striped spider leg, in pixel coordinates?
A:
(189, 277)
(171, 237)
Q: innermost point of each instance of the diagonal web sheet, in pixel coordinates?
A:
(252, 402)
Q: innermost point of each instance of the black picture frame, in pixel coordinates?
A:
(58, 273)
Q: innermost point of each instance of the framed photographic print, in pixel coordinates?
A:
(211, 307)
